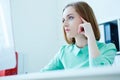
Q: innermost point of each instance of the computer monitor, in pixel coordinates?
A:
(7, 52)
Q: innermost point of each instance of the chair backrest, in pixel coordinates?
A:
(12, 71)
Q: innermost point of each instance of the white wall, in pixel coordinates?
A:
(35, 31)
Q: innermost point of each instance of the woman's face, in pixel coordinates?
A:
(71, 21)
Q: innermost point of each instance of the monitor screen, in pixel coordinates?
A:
(7, 52)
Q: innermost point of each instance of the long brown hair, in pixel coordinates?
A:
(86, 12)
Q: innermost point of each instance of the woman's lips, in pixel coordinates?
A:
(67, 30)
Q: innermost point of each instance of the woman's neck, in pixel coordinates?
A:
(81, 41)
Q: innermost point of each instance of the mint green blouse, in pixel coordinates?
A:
(72, 57)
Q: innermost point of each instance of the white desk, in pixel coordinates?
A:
(104, 73)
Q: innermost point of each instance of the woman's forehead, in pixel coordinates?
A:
(69, 10)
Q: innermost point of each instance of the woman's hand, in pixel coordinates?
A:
(86, 29)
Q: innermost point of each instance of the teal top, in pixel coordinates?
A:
(72, 57)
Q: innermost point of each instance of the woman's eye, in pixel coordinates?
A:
(63, 20)
(71, 17)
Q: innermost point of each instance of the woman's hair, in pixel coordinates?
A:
(86, 12)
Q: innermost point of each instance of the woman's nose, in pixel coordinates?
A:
(66, 24)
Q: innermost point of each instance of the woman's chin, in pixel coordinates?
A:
(69, 36)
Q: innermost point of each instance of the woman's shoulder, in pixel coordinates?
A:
(106, 45)
(66, 46)
(63, 49)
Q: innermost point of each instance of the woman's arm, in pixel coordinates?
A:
(97, 57)
(55, 63)
(93, 49)
(92, 46)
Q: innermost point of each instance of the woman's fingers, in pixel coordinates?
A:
(83, 20)
(82, 26)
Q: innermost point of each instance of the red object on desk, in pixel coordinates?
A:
(12, 71)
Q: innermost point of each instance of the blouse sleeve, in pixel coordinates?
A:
(55, 63)
(107, 55)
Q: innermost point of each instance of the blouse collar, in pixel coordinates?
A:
(77, 50)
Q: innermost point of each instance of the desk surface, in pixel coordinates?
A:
(101, 73)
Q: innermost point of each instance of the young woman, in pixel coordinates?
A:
(82, 35)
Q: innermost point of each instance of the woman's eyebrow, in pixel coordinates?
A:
(69, 14)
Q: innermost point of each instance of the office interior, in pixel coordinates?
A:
(37, 29)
